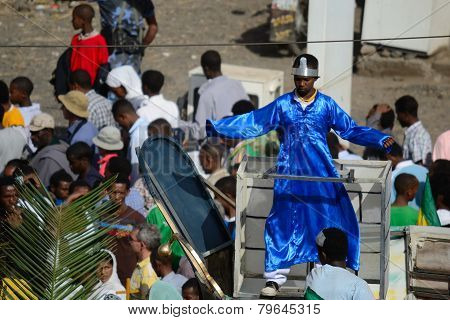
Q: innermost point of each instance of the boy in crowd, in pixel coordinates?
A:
(99, 108)
(400, 165)
(59, 186)
(80, 157)
(406, 186)
(331, 280)
(109, 144)
(12, 165)
(20, 90)
(89, 51)
(11, 115)
(127, 118)
(77, 189)
(417, 144)
(122, 167)
(156, 106)
(228, 186)
(10, 212)
(191, 290)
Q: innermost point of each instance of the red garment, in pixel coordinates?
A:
(103, 162)
(89, 59)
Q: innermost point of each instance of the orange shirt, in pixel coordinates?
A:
(13, 117)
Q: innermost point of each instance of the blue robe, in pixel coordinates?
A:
(301, 209)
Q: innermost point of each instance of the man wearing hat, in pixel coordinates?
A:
(50, 156)
(301, 209)
(109, 144)
(75, 110)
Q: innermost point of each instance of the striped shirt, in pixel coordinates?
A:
(99, 108)
(417, 144)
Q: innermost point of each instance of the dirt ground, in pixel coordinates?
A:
(203, 21)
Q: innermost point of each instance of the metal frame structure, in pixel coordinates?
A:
(368, 185)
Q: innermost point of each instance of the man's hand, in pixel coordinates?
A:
(383, 107)
(378, 108)
(388, 142)
(151, 31)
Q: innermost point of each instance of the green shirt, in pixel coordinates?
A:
(156, 217)
(403, 216)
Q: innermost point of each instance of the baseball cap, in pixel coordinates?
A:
(42, 121)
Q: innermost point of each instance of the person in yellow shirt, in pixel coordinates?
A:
(143, 239)
(11, 114)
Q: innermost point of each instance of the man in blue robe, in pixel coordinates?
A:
(301, 209)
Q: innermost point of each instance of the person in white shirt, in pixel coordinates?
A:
(125, 83)
(331, 280)
(127, 118)
(163, 268)
(155, 106)
(338, 151)
(20, 90)
(217, 95)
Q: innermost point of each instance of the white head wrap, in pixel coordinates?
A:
(127, 77)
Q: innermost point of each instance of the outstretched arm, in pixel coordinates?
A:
(249, 125)
(347, 129)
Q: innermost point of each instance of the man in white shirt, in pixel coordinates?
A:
(163, 268)
(155, 106)
(217, 95)
(127, 118)
(331, 280)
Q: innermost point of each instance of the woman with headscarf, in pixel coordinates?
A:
(126, 84)
(109, 284)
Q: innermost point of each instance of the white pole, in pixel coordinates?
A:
(333, 20)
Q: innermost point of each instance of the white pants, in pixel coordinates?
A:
(278, 276)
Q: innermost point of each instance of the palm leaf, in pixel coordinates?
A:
(55, 252)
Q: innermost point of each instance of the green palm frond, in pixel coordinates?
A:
(55, 252)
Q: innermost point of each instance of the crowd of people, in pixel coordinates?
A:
(111, 108)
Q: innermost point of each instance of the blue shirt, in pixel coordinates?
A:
(85, 132)
(419, 172)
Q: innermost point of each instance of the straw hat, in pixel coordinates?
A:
(109, 139)
(75, 102)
